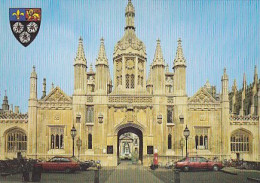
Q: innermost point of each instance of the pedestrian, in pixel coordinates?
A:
(25, 171)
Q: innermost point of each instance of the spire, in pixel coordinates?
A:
(234, 87)
(179, 58)
(44, 88)
(244, 81)
(129, 15)
(102, 57)
(255, 75)
(80, 57)
(158, 56)
(5, 105)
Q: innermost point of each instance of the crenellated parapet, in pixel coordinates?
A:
(10, 117)
(243, 120)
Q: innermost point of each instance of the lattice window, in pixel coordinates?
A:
(132, 81)
(201, 138)
(16, 141)
(240, 142)
(90, 114)
(170, 114)
(127, 82)
(57, 137)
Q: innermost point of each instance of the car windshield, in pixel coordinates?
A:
(74, 159)
(182, 160)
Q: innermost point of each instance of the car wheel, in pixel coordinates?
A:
(186, 169)
(215, 168)
(67, 170)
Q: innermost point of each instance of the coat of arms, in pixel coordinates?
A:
(25, 23)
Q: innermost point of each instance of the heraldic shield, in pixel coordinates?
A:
(25, 23)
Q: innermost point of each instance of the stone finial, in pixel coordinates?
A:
(80, 57)
(130, 14)
(225, 76)
(167, 68)
(91, 68)
(179, 58)
(207, 84)
(102, 57)
(158, 56)
(52, 86)
(33, 74)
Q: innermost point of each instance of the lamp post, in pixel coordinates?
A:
(73, 133)
(186, 134)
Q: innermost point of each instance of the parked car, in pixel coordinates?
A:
(190, 163)
(59, 163)
(84, 165)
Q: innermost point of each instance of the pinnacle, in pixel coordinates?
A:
(102, 57)
(80, 58)
(158, 56)
(179, 58)
(244, 81)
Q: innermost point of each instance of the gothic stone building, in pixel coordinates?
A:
(156, 109)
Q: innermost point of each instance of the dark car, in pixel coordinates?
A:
(190, 163)
(59, 163)
(84, 165)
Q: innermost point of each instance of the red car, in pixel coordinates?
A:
(189, 163)
(59, 163)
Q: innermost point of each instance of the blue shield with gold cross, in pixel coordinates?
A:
(25, 23)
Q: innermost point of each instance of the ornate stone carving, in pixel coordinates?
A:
(243, 120)
(90, 99)
(130, 99)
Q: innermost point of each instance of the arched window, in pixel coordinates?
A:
(201, 138)
(169, 141)
(127, 82)
(16, 141)
(132, 81)
(57, 141)
(196, 141)
(61, 141)
(89, 141)
(57, 137)
(240, 142)
(52, 142)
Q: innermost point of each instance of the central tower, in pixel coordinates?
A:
(129, 59)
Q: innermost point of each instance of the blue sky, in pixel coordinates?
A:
(215, 34)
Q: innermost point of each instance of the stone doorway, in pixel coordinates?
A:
(130, 130)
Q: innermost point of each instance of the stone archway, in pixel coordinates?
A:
(138, 132)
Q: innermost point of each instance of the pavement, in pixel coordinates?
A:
(127, 172)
